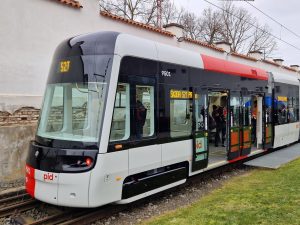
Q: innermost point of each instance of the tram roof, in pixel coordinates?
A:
(285, 78)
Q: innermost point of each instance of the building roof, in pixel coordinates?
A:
(135, 23)
(243, 56)
(289, 68)
(72, 3)
(270, 62)
(203, 44)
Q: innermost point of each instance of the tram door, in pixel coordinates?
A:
(246, 125)
(268, 122)
(235, 129)
(200, 130)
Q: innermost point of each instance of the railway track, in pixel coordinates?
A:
(16, 203)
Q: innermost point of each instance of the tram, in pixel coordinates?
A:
(125, 117)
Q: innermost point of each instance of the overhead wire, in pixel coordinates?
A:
(278, 38)
(271, 18)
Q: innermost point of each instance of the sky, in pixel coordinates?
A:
(285, 12)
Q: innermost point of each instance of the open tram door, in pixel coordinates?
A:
(261, 126)
(200, 129)
(235, 126)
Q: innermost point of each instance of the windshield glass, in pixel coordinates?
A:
(72, 111)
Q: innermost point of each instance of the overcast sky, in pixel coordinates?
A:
(286, 12)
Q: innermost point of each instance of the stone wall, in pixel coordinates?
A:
(16, 131)
(22, 116)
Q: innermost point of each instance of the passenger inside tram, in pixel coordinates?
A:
(217, 126)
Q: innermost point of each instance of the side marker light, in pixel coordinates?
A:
(118, 147)
(88, 161)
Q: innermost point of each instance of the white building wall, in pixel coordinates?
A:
(30, 30)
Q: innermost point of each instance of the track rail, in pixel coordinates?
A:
(19, 201)
(18, 207)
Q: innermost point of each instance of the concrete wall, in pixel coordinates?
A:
(14, 143)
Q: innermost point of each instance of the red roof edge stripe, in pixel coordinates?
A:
(233, 68)
(135, 23)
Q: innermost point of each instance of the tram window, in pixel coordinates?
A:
(296, 108)
(291, 113)
(79, 108)
(56, 119)
(120, 128)
(200, 107)
(144, 112)
(180, 118)
(268, 107)
(234, 110)
(247, 111)
(282, 112)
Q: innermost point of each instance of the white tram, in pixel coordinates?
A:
(124, 118)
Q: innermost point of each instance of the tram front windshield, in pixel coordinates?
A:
(72, 111)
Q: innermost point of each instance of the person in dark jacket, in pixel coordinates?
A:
(217, 117)
(222, 111)
(140, 118)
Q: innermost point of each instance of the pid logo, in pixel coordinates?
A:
(48, 176)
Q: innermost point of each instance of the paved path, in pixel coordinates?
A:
(276, 159)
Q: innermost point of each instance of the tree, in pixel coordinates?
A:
(211, 26)
(236, 26)
(192, 25)
(230, 24)
(129, 9)
(262, 40)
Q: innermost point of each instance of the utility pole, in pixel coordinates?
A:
(159, 13)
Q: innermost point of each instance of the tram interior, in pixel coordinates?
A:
(218, 126)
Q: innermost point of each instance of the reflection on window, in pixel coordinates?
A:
(180, 118)
(79, 108)
(56, 115)
(144, 111)
(296, 108)
(282, 112)
(247, 111)
(234, 111)
(120, 128)
(268, 109)
(72, 111)
(200, 108)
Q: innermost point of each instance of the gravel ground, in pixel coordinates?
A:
(137, 212)
(11, 184)
(180, 196)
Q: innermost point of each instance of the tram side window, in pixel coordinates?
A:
(282, 111)
(180, 118)
(234, 111)
(144, 111)
(296, 108)
(120, 128)
(268, 107)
